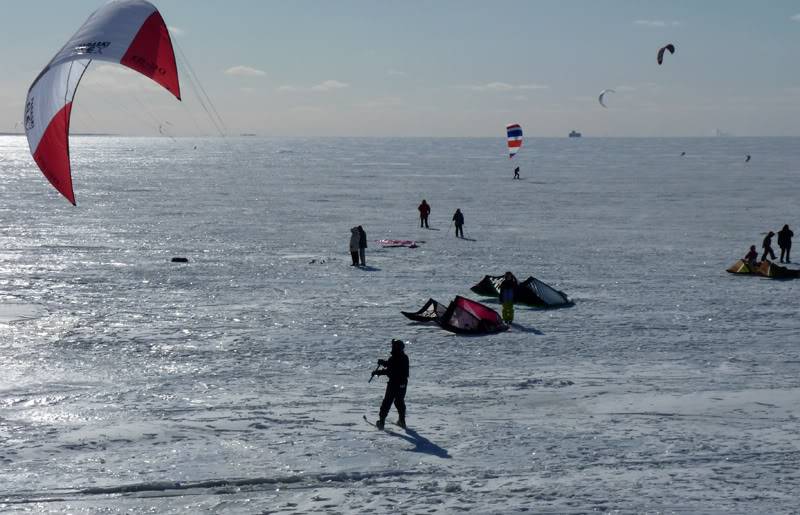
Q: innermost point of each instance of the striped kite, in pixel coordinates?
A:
(129, 32)
(514, 132)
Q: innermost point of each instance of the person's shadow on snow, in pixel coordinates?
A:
(421, 444)
(368, 268)
(521, 328)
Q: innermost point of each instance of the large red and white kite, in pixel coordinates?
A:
(129, 32)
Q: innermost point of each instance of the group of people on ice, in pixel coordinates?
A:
(425, 210)
(784, 243)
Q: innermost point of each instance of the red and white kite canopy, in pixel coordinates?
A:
(129, 32)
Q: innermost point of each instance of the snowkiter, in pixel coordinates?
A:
(396, 369)
(355, 237)
(507, 288)
(767, 246)
(785, 243)
(424, 211)
(458, 219)
(362, 245)
(750, 257)
(516, 173)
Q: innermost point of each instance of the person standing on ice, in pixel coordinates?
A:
(458, 219)
(396, 369)
(785, 242)
(767, 246)
(516, 173)
(355, 238)
(507, 288)
(362, 245)
(424, 211)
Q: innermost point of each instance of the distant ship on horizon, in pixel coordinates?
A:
(574, 134)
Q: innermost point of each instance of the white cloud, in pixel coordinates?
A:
(503, 87)
(656, 23)
(176, 31)
(381, 103)
(532, 86)
(244, 71)
(796, 17)
(329, 85)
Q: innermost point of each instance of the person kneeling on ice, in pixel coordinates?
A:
(507, 296)
(396, 369)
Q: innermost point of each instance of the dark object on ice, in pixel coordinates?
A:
(660, 55)
(516, 173)
(574, 134)
(771, 270)
(683, 153)
(180, 260)
(747, 158)
(532, 292)
(785, 243)
(396, 369)
(767, 246)
(763, 269)
(462, 316)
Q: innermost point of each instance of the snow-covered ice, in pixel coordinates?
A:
(237, 383)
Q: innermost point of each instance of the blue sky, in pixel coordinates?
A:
(437, 68)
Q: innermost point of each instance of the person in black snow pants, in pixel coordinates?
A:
(767, 246)
(362, 245)
(458, 219)
(396, 369)
(785, 243)
(355, 237)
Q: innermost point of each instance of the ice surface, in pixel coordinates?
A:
(237, 383)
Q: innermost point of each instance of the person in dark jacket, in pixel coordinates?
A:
(516, 173)
(767, 246)
(507, 288)
(750, 257)
(355, 237)
(362, 245)
(396, 369)
(458, 219)
(424, 211)
(785, 242)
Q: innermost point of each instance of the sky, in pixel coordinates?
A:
(434, 68)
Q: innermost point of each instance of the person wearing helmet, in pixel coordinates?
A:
(396, 369)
